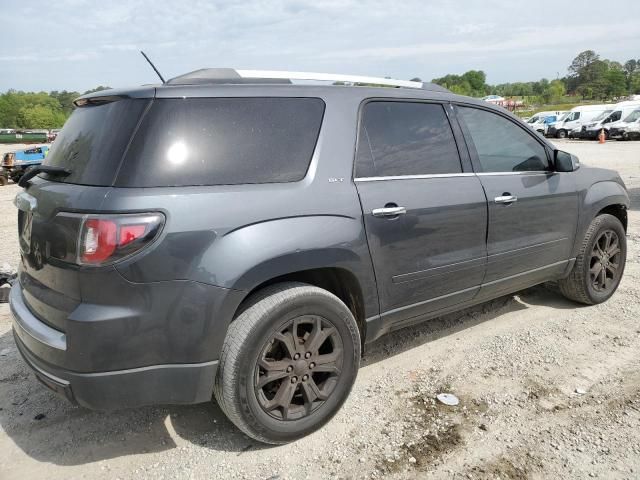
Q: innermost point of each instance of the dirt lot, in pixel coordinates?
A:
(515, 363)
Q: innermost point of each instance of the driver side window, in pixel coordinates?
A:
(503, 146)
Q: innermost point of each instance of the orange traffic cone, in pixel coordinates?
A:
(601, 136)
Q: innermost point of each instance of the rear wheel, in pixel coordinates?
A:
(288, 362)
(600, 263)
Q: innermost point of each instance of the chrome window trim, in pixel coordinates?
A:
(413, 177)
(448, 175)
(528, 172)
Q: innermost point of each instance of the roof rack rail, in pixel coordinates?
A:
(230, 75)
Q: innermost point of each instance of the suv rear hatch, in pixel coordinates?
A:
(91, 147)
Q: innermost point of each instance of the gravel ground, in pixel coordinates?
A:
(516, 364)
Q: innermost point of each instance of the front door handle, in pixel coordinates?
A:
(506, 198)
(388, 211)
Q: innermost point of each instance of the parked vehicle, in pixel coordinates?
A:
(538, 117)
(619, 112)
(580, 132)
(551, 125)
(53, 134)
(629, 128)
(542, 121)
(14, 164)
(575, 119)
(221, 240)
(21, 136)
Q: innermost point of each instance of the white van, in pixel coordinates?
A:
(550, 130)
(629, 128)
(577, 117)
(620, 112)
(540, 121)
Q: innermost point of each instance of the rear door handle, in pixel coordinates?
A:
(506, 198)
(388, 211)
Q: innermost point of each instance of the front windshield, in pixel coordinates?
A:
(602, 116)
(563, 116)
(633, 116)
(533, 119)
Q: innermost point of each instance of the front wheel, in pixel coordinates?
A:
(288, 362)
(561, 134)
(600, 262)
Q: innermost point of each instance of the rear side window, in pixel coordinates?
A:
(405, 138)
(223, 141)
(93, 140)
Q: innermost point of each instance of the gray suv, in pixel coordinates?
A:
(243, 236)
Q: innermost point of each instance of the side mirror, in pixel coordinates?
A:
(565, 162)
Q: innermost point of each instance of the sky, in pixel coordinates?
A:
(79, 44)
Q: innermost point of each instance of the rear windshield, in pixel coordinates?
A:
(223, 141)
(93, 140)
(192, 141)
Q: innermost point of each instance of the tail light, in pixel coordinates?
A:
(105, 239)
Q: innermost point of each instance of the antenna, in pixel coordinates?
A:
(153, 66)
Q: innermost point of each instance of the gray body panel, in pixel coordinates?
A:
(536, 230)
(433, 256)
(171, 303)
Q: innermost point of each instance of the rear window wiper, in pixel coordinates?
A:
(36, 169)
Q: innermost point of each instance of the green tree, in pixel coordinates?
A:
(40, 116)
(631, 66)
(616, 83)
(472, 83)
(65, 99)
(555, 91)
(37, 109)
(634, 83)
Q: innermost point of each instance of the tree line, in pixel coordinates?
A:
(589, 77)
(37, 110)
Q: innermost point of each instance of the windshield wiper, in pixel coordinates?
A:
(36, 169)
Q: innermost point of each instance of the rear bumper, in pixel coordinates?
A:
(46, 349)
(154, 385)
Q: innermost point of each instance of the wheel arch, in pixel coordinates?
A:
(617, 210)
(606, 197)
(340, 281)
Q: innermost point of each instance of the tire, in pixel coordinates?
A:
(250, 344)
(580, 285)
(561, 134)
(3, 180)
